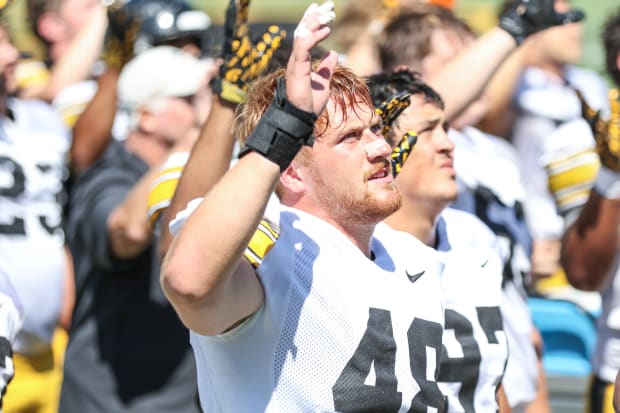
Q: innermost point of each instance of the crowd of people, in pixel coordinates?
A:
(345, 216)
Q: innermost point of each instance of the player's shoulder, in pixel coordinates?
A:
(36, 113)
(464, 229)
(400, 244)
(582, 76)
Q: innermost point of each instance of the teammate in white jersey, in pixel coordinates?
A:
(490, 186)
(342, 314)
(475, 349)
(590, 248)
(33, 147)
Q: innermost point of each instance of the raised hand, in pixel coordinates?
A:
(243, 61)
(288, 123)
(124, 22)
(606, 132)
(306, 87)
(526, 17)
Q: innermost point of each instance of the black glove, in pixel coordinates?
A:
(243, 61)
(124, 23)
(526, 17)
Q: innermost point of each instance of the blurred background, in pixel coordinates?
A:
(480, 14)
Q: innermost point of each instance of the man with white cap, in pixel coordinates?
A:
(127, 350)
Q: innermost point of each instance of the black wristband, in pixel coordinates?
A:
(281, 131)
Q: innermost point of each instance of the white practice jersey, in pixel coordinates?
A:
(337, 331)
(475, 349)
(33, 147)
(490, 186)
(555, 145)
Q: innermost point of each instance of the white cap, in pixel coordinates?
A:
(162, 71)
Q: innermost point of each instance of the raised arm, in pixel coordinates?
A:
(455, 83)
(243, 62)
(76, 64)
(93, 129)
(590, 245)
(204, 275)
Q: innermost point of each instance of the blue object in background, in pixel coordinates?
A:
(568, 334)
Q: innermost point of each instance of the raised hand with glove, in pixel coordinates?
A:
(526, 17)
(124, 22)
(243, 61)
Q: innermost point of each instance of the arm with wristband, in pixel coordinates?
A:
(590, 244)
(204, 275)
(243, 61)
(455, 83)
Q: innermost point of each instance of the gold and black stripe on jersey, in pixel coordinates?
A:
(261, 243)
(162, 191)
(571, 178)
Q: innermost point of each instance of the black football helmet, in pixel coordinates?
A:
(165, 21)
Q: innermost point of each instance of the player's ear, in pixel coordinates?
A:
(291, 179)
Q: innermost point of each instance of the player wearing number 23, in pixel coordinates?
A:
(33, 147)
(329, 320)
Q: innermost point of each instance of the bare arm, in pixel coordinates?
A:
(76, 64)
(128, 227)
(208, 162)
(522, 19)
(215, 143)
(499, 92)
(590, 245)
(93, 129)
(204, 275)
(458, 87)
(502, 400)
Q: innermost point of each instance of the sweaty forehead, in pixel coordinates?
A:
(344, 114)
(421, 112)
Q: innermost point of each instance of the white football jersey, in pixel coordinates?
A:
(555, 145)
(337, 331)
(491, 188)
(33, 147)
(475, 349)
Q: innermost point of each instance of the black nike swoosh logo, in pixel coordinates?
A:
(415, 277)
(484, 264)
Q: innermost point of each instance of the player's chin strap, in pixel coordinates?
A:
(281, 131)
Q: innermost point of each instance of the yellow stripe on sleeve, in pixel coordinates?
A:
(570, 179)
(164, 185)
(261, 243)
